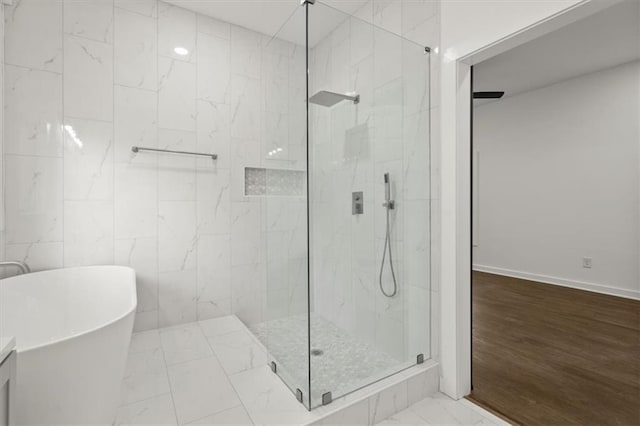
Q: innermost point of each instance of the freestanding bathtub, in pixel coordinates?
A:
(72, 329)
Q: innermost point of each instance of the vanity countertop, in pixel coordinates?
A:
(7, 344)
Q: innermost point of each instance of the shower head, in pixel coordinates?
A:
(329, 99)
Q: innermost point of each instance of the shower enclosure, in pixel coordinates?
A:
(346, 207)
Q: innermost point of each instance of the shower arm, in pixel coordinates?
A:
(355, 99)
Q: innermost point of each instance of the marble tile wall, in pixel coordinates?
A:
(83, 81)
(2, 203)
(86, 80)
(285, 218)
(2, 166)
(353, 146)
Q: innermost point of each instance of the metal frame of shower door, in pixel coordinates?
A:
(455, 356)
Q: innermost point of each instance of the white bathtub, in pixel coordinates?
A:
(72, 329)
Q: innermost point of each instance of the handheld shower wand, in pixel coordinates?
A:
(388, 202)
(387, 188)
(389, 205)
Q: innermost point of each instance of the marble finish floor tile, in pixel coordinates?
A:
(267, 399)
(237, 352)
(174, 376)
(145, 341)
(200, 388)
(439, 409)
(233, 416)
(184, 343)
(145, 376)
(229, 383)
(154, 411)
(223, 325)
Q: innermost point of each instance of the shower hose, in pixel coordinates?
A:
(387, 245)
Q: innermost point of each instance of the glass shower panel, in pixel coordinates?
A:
(283, 176)
(369, 203)
(416, 172)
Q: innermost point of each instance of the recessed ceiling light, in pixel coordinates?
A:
(181, 51)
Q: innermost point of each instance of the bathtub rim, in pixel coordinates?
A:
(72, 336)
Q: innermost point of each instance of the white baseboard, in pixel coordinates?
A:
(581, 285)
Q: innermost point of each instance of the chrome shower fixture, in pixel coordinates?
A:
(329, 99)
(389, 205)
(388, 202)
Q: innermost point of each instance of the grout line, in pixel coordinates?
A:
(63, 155)
(124, 86)
(216, 413)
(200, 358)
(89, 119)
(147, 370)
(134, 12)
(197, 235)
(34, 156)
(128, 404)
(157, 180)
(166, 372)
(228, 378)
(64, 33)
(22, 67)
(113, 138)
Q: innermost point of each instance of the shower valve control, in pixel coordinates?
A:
(357, 203)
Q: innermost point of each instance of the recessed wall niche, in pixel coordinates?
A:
(273, 182)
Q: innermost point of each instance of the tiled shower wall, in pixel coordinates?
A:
(353, 146)
(132, 206)
(86, 80)
(2, 203)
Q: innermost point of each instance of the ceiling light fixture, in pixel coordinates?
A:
(181, 51)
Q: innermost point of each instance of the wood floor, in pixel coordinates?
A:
(551, 355)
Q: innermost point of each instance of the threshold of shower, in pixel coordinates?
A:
(216, 370)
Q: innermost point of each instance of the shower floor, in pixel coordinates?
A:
(215, 372)
(345, 364)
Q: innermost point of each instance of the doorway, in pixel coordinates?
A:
(555, 330)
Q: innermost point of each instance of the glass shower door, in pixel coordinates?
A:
(346, 187)
(285, 329)
(369, 203)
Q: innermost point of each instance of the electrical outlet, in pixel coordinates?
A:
(586, 262)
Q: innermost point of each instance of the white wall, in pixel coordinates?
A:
(558, 181)
(87, 80)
